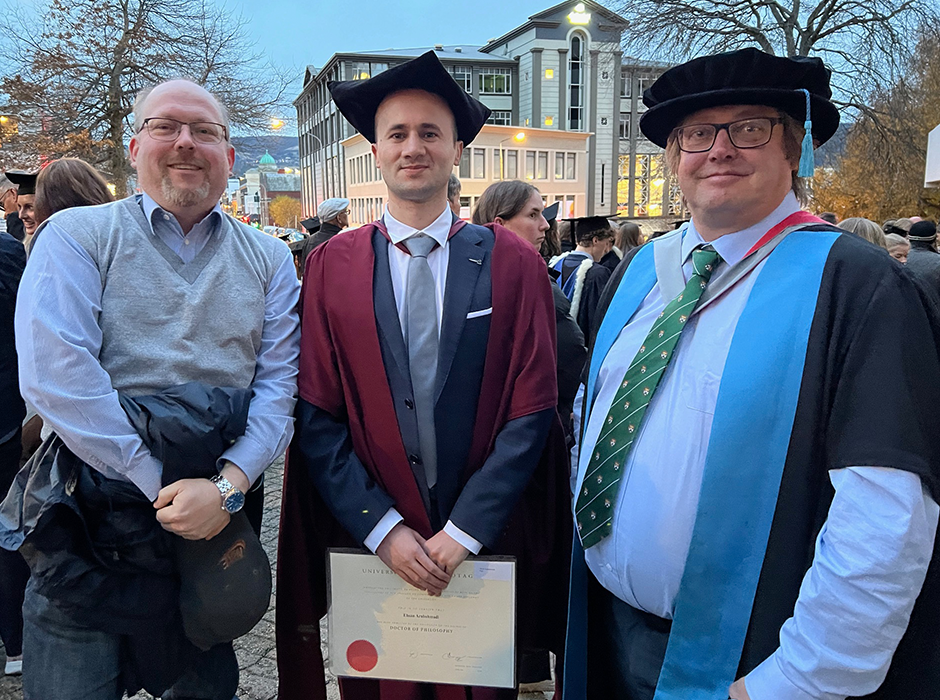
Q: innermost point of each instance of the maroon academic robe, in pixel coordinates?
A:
(342, 372)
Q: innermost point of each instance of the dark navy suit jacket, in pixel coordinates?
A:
(479, 505)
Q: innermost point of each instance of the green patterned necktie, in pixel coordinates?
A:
(595, 505)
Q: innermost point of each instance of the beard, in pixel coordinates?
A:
(178, 197)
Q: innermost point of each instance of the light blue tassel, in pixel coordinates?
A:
(807, 159)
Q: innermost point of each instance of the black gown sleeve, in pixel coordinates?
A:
(489, 496)
(324, 444)
(571, 354)
(594, 283)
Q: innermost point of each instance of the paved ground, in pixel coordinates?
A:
(256, 654)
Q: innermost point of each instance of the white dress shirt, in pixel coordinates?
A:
(398, 261)
(643, 559)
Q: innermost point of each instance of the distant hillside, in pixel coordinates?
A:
(828, 154)
(249, 149)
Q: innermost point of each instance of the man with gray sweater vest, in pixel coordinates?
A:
(156, 290)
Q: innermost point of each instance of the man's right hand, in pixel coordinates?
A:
(404, 551)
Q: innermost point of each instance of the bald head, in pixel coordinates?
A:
(181, 86)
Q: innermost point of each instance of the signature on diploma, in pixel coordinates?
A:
(447, 656)
(416, 654)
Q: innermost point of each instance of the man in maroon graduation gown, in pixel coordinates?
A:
(422, 469)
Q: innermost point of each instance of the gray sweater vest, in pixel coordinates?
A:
(164, 322)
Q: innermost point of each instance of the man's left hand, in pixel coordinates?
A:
(737, 691)
(192, 509)
(446, 552)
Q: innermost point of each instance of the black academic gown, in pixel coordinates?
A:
(868, 398)
(12, 263)
(586, 294)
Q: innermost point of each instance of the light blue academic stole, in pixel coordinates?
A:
(747, 450)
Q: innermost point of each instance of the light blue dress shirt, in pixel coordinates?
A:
(58, 341)
(871, 556)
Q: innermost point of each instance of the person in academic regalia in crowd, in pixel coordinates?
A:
(14, 572)
(517, 206)
(923, 260)
(757, 478)
(582, 277)
(25, 196)
(427, 427)
(332, 217)
(11, 219)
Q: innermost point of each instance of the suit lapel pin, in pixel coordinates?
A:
(478, 262)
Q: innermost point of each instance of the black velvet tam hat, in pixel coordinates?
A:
(25, 182)
(359, 100)
(744, 77)
(585, 227)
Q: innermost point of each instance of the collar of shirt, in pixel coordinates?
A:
(150, 207)
(439, 229)
(733, 247)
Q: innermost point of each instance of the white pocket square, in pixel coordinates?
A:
(481, 312)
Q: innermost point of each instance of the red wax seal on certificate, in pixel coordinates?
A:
(362, 655)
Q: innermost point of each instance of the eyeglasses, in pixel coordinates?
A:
(166, 129)
(744, 133)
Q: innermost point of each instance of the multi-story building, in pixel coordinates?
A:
(560, 79)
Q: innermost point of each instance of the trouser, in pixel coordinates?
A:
(68, 661)
(14, 572)
(626, 647)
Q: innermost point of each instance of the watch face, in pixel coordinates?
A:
(234, 501)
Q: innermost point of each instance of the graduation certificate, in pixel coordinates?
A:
(382, 627)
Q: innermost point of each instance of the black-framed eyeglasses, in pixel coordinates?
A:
(166, 129)
(743, 133)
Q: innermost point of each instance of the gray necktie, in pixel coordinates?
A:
(422, 341)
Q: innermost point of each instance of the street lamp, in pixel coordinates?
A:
(518, 137)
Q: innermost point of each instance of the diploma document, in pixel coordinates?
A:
(382, 627)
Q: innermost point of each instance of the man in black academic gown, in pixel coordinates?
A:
(757, 480)
(581, 276)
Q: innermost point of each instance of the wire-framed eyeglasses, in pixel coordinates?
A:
(743, 133)
(166, 129)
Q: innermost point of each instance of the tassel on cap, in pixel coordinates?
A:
(807, 159)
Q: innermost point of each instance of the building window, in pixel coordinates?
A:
(626, 121)
(541, 172)
(576, 67)
(643, 83)
(479, 164)
(473, 164)
(495, 81)
(501, 117)
(565, 166)
(530, 165)
(363, 70)
(512, 164)
(464, 77)
(626, 84)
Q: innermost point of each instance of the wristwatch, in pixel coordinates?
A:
(232, 498)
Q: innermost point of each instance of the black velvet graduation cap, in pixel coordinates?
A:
(359, 100)
(551, 211)
(744, 77)
(25, 182)
(587, 226)
(312, 225)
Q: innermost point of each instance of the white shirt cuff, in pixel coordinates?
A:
(768, 682)
(462, 538)
(391, 518)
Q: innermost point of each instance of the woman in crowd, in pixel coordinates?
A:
(67, 183)
(628, 237)
(864, 228)
(898, 247)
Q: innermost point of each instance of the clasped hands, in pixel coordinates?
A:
(192, 508)
(425, 564)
